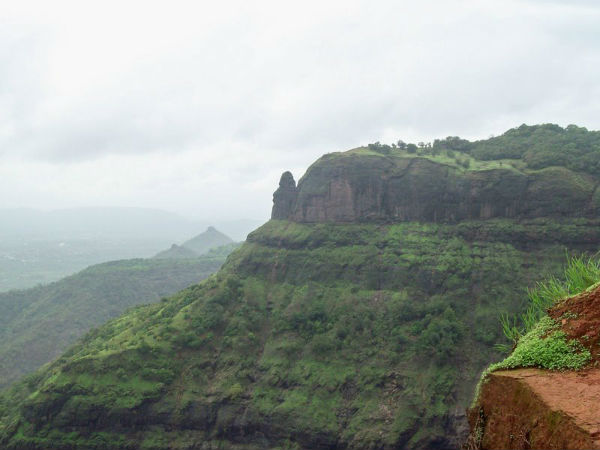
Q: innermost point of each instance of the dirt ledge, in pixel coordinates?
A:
(532, 408)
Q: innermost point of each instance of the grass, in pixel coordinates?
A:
(458, 160)
(546, 347)
(536, 338)
(580, 274)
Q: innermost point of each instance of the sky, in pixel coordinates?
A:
(197, 107)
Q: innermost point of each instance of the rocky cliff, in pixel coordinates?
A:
(541, 409)
(361, 185)
(359, 317)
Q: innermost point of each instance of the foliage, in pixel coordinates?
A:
(537, 147)
(38, 324)
(356, 333)
(580, 274)
(546, 347)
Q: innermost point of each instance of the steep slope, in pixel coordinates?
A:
(362, 185)
(211, 238)
(359, 317)
(38, 324)
(538, 408)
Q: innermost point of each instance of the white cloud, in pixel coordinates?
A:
(198, 106)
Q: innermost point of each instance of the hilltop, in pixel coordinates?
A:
(211, 238)
(199, 245)
(359, 316)
(545, 178)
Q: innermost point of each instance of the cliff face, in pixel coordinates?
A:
(541, 409)
(358, 186)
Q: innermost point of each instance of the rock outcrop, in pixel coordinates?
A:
(284, 198)
(541, 409)
(359, 186)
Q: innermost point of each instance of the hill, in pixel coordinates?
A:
(38, 324)
(176, 252)
(360, 316)
(211, 238)
(199, 245)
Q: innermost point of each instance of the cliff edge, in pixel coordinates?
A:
(533, 408)
(361, 185)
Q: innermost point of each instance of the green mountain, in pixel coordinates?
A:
(359, 317)
(38, 324)
(205, 242)
(211, 238)
(176, 252)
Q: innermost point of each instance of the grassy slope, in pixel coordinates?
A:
(312, 336)
(38, 324)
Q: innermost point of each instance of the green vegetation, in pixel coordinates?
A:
(537, 340)
(546, 347)
(363, 335)
(210, 242)
(207, 240)
(580, 274)
(38, 324)
(533, 147)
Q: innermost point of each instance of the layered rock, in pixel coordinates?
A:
(284, 198)
(358, 186)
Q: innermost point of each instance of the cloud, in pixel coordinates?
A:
(177, 105)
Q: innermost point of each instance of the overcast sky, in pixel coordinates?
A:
(197, 107)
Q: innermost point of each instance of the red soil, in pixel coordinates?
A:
(533, 408)
(580, 319)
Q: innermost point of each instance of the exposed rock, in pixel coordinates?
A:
(541, 409)
(349, 187)
(284, 198)
(532, 408)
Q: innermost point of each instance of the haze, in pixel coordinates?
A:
(197, 107)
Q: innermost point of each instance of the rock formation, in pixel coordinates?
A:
(284, 198)
(361, 187)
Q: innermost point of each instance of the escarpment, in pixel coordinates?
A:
(357, 186)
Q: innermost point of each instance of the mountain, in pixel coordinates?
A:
(211, 238)
(360, 316)
(38, 324)
(176, 252)
(199, 245)
(545, 394)
(39, 247)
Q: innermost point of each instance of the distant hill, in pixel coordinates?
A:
(211, 238)
(38, 324)
(176, 252)
(39, 247)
